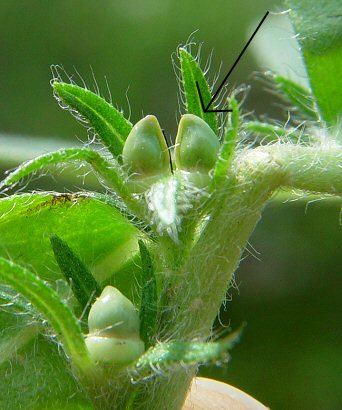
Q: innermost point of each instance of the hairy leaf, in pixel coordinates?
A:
(48, 302)
(299, 96)
(77, 274)
(106, 170)
(176, 352)
(148, 304)
(108, 123)
(191, 72)
(270, 132)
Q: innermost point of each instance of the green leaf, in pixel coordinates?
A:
(42, 382)
(299, 96)
(176, 352)
(191, 72)
(93, 228)
(148, 305)
(271, 132)
(79, 277)
(14, 341)
(108, 123)
(105, 169)
(48, 302)
(320, 36)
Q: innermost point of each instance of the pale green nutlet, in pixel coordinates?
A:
(114, 327)
(145, 153)
(196, 145)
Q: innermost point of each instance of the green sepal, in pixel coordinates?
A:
(114, 329)
(79, 277)
(196, 145)
(145, 154)
(299, 96)
(113, 315)
(148, 307)
(192, 73)
(108, 123)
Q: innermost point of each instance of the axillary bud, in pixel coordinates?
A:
(196, 148)
(114, 326)
(145, 154)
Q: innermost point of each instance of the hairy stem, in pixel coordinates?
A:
(314, 169)
(196, 280)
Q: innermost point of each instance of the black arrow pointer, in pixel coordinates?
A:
(206, 108)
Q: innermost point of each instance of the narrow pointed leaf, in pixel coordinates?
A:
(148, 307)
(48, 302)
(191, 72)
(76, 273)
(108, 123)
(299, 96)
(319, 32)
(176, 353)
(226, 153)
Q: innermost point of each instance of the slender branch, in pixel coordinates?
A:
(314, 169)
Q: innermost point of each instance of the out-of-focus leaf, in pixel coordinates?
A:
(15, 149)
(38, 378)
(265, 132)
(191, 72)
(299, 96)
(93, 228)
(320, 36)
(109, 124)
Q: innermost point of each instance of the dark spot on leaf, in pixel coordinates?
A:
(56, 200)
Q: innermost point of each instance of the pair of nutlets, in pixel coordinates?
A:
(146, 155)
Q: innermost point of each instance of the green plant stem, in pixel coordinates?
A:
(208, 270)
(313, 169)
(199, 285)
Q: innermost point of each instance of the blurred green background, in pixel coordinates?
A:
(289, 293)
